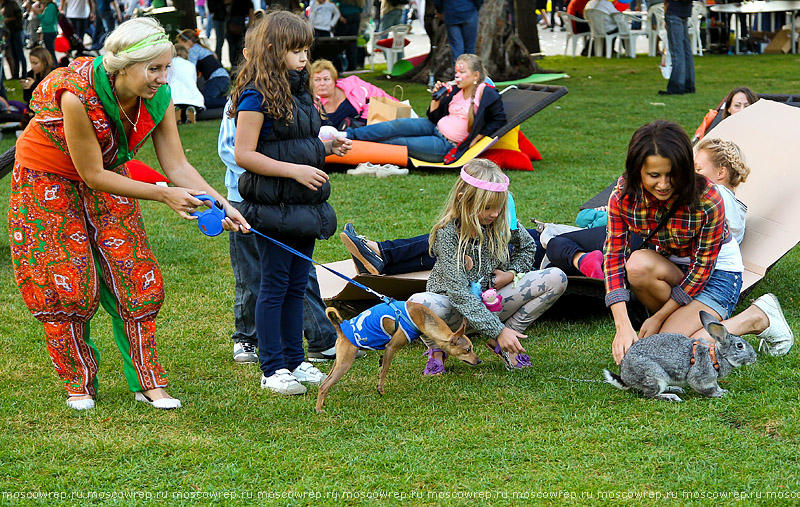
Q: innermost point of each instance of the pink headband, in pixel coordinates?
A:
(485, 185)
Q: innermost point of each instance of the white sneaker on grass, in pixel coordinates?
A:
(244, 353)
(363, 168)
(777, 339)
(309, 373)
(386, 170)
(282, 382)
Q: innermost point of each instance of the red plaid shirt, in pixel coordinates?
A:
(696, 232)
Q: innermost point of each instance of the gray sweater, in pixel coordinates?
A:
(451, 279)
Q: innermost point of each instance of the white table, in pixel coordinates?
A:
(759, 7)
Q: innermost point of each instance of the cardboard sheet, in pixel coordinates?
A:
(767, 134)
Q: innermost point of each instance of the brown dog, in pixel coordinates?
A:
(455, 344)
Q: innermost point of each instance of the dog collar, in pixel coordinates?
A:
(712, 352)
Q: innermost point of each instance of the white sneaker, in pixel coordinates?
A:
(84, 404)
(363, 168)
(384, 171)
(309, 373)
(777, 339)
(282, 382)
(245, 353)
(161, 403)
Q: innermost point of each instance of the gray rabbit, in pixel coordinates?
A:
(659, 364)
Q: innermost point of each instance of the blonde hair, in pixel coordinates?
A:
(277, 34)
(475, 65)
(135, 30)
(726, 154)
(323, 64)
(466, 202)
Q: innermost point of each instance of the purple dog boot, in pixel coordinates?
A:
(434, 366)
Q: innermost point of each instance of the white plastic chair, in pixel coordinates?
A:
(566, 22)
(398, 35)
(698, 14)
(656, 13)
(597, 28)
(627, 34)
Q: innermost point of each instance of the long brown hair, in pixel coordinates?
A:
(664, 139)
(750, 94)
(277, 34)
(44, 56)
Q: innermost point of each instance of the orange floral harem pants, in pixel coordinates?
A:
(58, 230)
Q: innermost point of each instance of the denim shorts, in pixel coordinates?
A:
(721, 292)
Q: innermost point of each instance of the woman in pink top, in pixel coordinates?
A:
(461, 118)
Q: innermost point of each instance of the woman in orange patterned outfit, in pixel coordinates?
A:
(74, 208)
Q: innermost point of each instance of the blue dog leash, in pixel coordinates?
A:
(210, 223)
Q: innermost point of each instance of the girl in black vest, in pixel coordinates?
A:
(284, 189)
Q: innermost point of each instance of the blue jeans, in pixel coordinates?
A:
(49, 41)
(682, 78)
(462, 37)
(244, 261)
(391, 18)
(318, 330)
(423, 139)
(80, 25)
(219, 33)
(279, 307)
(215, 92)
(17, 43)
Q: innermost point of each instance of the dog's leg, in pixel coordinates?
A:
(345, 355)
(398, 340)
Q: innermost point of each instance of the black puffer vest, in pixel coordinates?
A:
(282, 206)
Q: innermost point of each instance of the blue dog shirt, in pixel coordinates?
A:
(366, 330)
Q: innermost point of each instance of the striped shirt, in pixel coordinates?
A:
(696, 232)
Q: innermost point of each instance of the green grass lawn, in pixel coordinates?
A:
(478, 435)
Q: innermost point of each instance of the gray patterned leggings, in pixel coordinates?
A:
(535, 292)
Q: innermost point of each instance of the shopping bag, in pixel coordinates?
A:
(385, 109)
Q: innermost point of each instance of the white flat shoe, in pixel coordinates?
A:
(84, 404)
(162, 403)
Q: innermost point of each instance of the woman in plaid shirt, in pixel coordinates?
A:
(684, 274)
(669, 281)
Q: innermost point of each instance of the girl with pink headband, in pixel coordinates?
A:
(470, 242)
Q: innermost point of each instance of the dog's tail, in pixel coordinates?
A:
(615, 380)
(334, 317)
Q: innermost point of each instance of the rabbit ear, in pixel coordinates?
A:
(713, 326)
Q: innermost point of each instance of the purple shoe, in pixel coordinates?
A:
(523, 360)
(434, 366)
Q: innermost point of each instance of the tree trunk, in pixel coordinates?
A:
(188, 19)
(502, 52)
(527, 28)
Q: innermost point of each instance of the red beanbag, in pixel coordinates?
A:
(508, 159)
(139, 171)
(527, 147)
(387, 43)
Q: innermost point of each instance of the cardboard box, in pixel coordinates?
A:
(781, 43)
